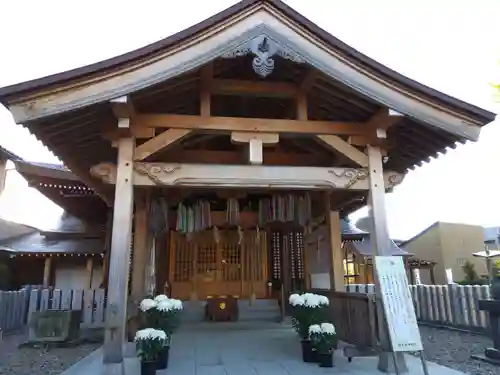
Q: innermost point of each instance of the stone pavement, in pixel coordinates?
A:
(226, 349)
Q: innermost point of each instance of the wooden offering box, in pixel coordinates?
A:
(222, 308)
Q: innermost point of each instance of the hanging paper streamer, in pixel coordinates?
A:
(158, 216)
(216, 235)
(232, 211)
(257, 235)
(193, 218)
(285, 208)
(240, 235)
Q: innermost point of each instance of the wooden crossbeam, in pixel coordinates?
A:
(234, 157)
(122, 107)
(248, 124)
(249, 176)
(338, 144)
(384, 119)
(258, 88)
(160, 142)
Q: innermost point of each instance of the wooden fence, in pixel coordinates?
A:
(450, 305)
(91, 302)
(13, 310)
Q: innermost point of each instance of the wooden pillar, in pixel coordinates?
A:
(47, 271)
(336, 254)
(120, 255)
(107, 249)
(381, 246)
(140, 253)
(433, 277)
(90, 272)
(3, 174)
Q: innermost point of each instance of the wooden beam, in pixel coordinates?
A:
(140, 253)
(114, 134)
(251, 176)
(309, 80)
(160, 142)
(379, 236)
(90, 272)
(336, 254)
(384, 119)
(122, 107)
(116, 311)
(231, 157)
(207, 73)
(339, 145)
(256, 142)
(253, 88)
(47, 270)
(248, 124)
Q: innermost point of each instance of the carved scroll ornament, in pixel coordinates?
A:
(204, 175)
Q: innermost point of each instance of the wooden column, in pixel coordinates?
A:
(47, 271)
(107, 249)
(120, 254)
(90, 272)
(3, 174)
(336, 253)
(381, 246)
(140, 253)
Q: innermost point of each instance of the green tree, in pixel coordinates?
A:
(470, 272)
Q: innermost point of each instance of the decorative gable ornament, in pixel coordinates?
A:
(264, 48)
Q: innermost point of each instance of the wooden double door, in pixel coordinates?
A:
(209, 264)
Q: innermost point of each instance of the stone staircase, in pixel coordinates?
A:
(260, 310)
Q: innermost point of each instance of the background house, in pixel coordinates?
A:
(450, 246)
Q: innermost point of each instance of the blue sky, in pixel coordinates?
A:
(450, 45)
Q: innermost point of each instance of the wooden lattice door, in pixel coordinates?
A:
(287, 261)
(200, 267)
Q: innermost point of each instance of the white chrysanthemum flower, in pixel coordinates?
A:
(157, 334)
(328, 328)
(147, 304)
(176, 304)
(296, 300)
(165, 305)
(311, 300)
(314, 328)
(161, 297)
(143, 334)
(323, 300)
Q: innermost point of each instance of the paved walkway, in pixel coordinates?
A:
(269, 350)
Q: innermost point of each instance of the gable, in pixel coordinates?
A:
(239, 30)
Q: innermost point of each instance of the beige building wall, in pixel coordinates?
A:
(427, 246)
(450, 245)
(459, 241)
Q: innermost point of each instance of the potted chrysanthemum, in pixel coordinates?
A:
(149, 345)
(307, 309)
(324, 338)
(166, 318)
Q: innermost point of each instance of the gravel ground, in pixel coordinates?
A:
(453, 349)
(38, 361)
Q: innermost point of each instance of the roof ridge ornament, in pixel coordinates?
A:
(264, 48)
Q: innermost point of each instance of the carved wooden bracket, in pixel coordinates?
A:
(203, 175)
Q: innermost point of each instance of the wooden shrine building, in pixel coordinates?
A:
(218, 148)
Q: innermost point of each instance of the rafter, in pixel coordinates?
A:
(160, 142)
(248, 124)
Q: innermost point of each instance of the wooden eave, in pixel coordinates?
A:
(112, 65)
(74, 132)
(65, 189)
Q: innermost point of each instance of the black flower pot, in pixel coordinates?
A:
(308, 352)
(149, 368)
(325, 359)
(163, 360)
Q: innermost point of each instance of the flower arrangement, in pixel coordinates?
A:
(162, 313)
(149, 344)
(307, 309)
(323, 336)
